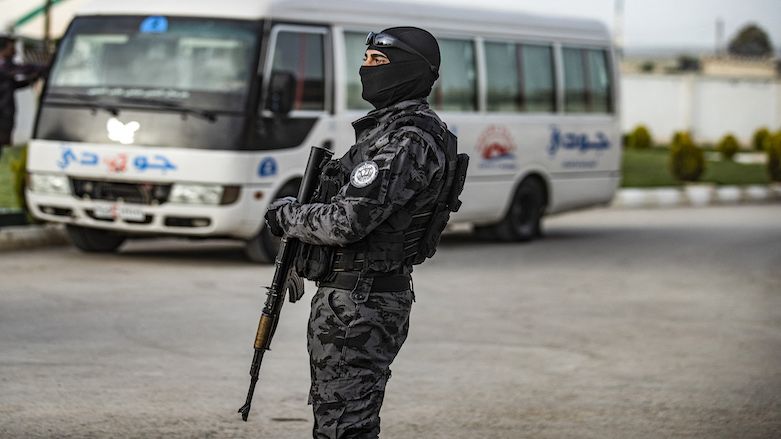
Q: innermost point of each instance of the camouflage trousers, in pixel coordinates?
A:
(353, 337)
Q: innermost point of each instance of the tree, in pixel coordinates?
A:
(687, 63)
(751, 41)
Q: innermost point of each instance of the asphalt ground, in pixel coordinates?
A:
(620, 323)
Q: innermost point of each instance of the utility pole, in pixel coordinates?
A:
(47, 40)
(618, 28)
(719, 37)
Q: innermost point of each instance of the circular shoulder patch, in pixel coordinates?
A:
(364, 174)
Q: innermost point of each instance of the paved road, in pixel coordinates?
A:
(619, 324)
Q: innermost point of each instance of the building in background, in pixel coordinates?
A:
(708, 95)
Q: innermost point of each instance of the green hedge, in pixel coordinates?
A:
(773, 149)
(728, 147)
(687, 160)
(648, 168)
(12, 175)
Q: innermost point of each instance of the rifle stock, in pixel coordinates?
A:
(284, 278)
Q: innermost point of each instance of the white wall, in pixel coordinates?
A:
(708, 107)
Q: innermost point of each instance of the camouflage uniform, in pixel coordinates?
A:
(354, 335)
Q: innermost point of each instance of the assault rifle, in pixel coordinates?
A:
(285, 279)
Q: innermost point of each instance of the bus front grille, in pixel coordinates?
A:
(138, 193)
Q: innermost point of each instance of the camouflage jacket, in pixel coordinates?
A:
(388, 168)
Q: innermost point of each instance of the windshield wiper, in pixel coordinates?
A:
(90, 101)
(87, 100)
(175, 106)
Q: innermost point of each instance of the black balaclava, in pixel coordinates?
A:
(407, 76)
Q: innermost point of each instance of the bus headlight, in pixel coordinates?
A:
(208, 194)
(50, 184)
(204, 194)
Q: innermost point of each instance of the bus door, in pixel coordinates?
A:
(297, 87)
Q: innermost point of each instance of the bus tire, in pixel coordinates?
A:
(94, 240)
(522, 222)
(263, 248)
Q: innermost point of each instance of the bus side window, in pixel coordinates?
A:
(502, 80)
(599, 81)
(538, 78)
(587, 83)
(456, 88)
(354, 49)
(519, 78)
(302, 55)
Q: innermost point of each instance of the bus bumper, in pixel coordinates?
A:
(229, 221)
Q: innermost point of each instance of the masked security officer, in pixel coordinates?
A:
(372, 219)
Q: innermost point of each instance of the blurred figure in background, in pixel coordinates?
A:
(12, 77)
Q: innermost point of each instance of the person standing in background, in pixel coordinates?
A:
(12, 77)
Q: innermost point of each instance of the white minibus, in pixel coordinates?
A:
(172, 118)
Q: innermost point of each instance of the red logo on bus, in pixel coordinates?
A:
(496, 143)
(118, 164)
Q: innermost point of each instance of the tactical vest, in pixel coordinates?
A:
(406, 238)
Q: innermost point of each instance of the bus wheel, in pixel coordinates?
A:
(263, 248)
(94, 240)
(522, 222)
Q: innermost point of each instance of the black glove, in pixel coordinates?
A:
(273, 224)
(271, 215)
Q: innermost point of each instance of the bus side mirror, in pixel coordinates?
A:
(282, 92)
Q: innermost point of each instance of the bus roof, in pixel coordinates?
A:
(374, 14)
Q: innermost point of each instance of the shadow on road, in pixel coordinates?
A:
(223, 252)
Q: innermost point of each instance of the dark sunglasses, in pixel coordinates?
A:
(385, 40)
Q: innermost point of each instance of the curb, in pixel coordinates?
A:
(34, 236)
(695, 195)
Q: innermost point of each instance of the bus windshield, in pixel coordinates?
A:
(198, 63)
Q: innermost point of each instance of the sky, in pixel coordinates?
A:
(659, 23)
